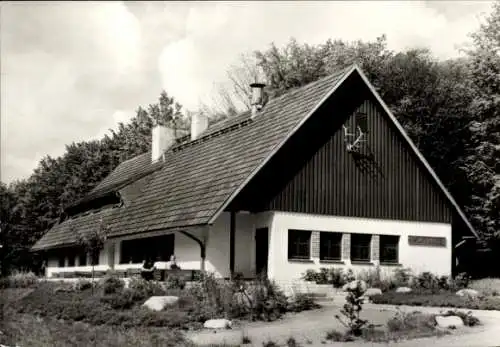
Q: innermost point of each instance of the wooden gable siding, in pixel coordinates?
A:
(315, 173)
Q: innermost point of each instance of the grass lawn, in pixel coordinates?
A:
(28, 330)
(437, 299)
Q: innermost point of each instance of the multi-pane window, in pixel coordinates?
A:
(330, 246)
(82, 258)
(95, 259)
(299, 244)
(71, 260)
(61, 260)
(389, 249)
(158, 248)
(360, 247)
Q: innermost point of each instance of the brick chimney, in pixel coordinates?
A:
(162, 138)
(199, 123)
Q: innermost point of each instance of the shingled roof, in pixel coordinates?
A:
(196, 180)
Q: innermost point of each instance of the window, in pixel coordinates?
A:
(159, 248)
(82, 258)
(389, 249)
(95, 259)
(330, 246)
(299, 244)
(61, 260)
(362, 121)
(71, 260)
(360, 247)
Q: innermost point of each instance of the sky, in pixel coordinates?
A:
(70, 71)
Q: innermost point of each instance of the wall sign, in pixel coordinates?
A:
(427, 241)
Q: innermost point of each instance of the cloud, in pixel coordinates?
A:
(72, 70)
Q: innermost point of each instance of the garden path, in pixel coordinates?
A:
(309, 329)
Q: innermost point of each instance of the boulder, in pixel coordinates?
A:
(468, 292)
(158, 303)
(448, 322)
(373, 291)
(217, 324)
(403, 290)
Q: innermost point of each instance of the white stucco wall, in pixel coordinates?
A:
(53, 264)
(419, 258)
(187, 251)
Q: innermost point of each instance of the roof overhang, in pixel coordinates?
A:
(348, 72)
(417, 153)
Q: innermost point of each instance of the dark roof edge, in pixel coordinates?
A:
(347, 72)
(417, 152)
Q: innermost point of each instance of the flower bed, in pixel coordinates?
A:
(437, 299)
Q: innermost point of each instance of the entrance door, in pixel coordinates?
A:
(261, 251)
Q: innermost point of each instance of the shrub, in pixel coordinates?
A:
(4, 282)
(333, 276)
(336, 336)
(402, 277)
(142, 289)
(269, 343)
(427, 280)
(302, 302)
(111, 284)
(352, 309)
(462, 280)
(291, 342)
(19, 280)
(442, 299)
(123, 299)
(310, 275)
(337, 277)
(82, 285)
(348, 276)
(268, 302)
(486, 286)
(403, 321)
(175, 281)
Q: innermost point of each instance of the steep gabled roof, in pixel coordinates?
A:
(197, 180)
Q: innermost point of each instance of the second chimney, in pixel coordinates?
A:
(199, 123)
(162, 138)
(257, 101)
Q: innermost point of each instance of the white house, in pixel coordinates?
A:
(321, 176)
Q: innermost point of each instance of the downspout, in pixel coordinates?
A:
(232, 232)
(202, 248)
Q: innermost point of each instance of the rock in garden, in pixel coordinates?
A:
(449, 322)
(468, 292)
(403, 290)
(217, 324)
(158, 303)
(372, 292)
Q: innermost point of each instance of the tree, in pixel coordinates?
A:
(93, 242)
(482, 162)
(56, 183)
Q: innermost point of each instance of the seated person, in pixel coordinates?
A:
(147, 270)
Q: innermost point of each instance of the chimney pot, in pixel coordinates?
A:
(257, 101)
